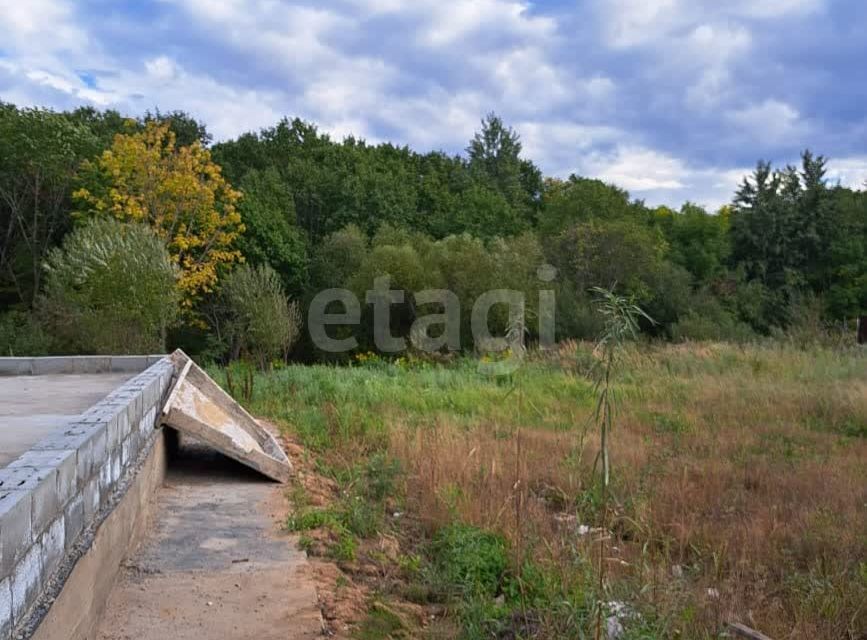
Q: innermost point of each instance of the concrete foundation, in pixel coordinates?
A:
(54, 495)
(33, 407)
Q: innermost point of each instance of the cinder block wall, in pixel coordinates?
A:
(52, 494)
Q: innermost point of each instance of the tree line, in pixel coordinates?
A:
(219, 248)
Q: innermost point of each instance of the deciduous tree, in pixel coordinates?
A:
(178, 191)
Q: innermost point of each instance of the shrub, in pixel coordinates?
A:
(22, 335)
(260, 321)
(470, 559)
(110, 288)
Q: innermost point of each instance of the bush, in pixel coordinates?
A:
(710, 320)
(260, 321)
(470, 559)
(22, 335)
(110, 288)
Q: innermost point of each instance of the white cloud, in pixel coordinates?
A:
(850, 171)
(38, 28)
(769, 122)
(638, 169)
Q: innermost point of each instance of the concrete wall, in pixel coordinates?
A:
(53, 498)
(75, 364)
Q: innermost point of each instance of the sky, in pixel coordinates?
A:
(674, 100)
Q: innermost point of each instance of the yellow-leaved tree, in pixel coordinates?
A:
(179, 191)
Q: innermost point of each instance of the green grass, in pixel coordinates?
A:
(712, 443)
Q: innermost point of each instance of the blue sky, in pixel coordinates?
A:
(672, 99)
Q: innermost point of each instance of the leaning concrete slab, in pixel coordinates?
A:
(198, 407)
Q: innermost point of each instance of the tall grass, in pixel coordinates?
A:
(742, 481)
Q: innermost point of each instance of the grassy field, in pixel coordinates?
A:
(739, 491)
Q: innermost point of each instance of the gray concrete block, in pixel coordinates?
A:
(26, 583)
(73, 520)
(116, 467)
(91, 364)
(105, 484)
(46, 502)
(72, 438)
(5, 609)
(125, 447)
(100, 444)
(91, 499)
(64, 462)
(16, 367)
(14, 477)
(52, 365)
(52, 546)
(15, 531)
(131, 364)
(41, 484)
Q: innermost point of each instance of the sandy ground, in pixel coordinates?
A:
(217, 563)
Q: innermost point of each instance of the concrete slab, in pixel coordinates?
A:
(216, 564)
(33, 407)
(198, 407)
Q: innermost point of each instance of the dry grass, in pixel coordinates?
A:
(740, 475)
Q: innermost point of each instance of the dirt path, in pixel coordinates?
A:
(216, 564)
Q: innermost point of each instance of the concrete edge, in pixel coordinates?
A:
(64, 485)
(24, 366)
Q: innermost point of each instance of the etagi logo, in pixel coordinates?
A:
(421, 334)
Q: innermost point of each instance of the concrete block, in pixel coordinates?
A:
(41, 485)
(91, 364)
(52, 546)
(52, 365)
(151, 421)
(116, 467)
(5, 609)
(105, 484)
(132, 364)
(73, 518)
(15, 531)
(86, 466)
(13, 477)
(16, 367)
(138, 409)
(72, 438)
(26, 583)
(64, 462)
(46, 503)
(125, 447)
(91, 499)
(100, 445)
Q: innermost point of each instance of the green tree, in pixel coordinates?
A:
(577, 200)
(698, 241)
(259, 322)
(271, 237)
(40, 152)
(338, 257)
(621, 255)
(494, 156)
(179, 192)
(109, 289)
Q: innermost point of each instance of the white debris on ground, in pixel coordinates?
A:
(618, 612)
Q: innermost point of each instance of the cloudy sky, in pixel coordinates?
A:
(671, 99)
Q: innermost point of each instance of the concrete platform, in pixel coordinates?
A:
(217, 562)
(33, 407)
